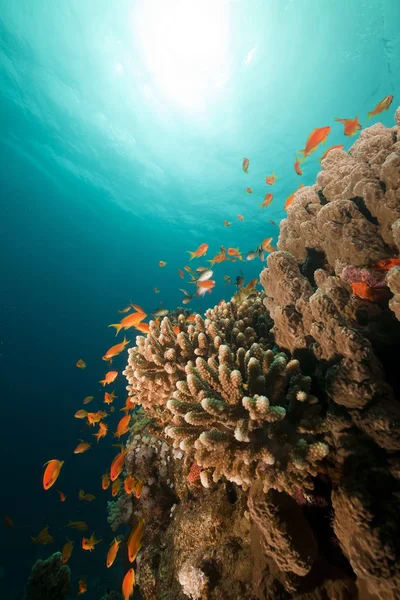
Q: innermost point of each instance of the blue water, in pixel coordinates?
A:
(123, 130)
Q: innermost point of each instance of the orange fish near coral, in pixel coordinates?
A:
(235, 252)
(351, 126)
(105, 482)
(128, 584)
(80, 414)
(381, 106)
(191, 319)
(207, 285)
(129, 484)
(365, 292)
(134, 540)
(63, 497)
(289, 199)
(131, 320)
(43, 537)
(51, 473)
(270, 179)
(245, 165)
(82, 587)
(139, 487)
(82, 447)
(201, 251)
(109, 398)
(296, 166)
(109, 378)
(123, 426)
(102, 432)
(116, 486)
(115, 350)
(95, 417)
(387, 263)
(126, 309)
(81, 364)
(325, 154)
(218, 258)
(143, 328)
(67, 551)
(267, 201)
(266, 245)
(117, 465)
(112, 553)
(86, 497)
(90, 543)
(316, 137)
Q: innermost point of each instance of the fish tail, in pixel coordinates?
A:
(103, 381)
(370, 115)
(303, 152)
(117, 326)
(192, 254)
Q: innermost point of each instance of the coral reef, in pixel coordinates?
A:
(49, 579)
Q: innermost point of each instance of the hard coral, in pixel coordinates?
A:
(49, 579)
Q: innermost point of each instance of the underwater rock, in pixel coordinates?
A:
(49, 579)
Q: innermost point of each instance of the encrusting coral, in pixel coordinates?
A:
(49, 579)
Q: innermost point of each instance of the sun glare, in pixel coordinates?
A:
(185, 46)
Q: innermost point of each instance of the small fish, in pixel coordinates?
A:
(82, 587)
(201, 251)
(181, 274)
(109, 378)
(82, 447)
(365, 292)
(156, 290)
(201, 269)
(289, 199)
(245, 165)
(129, 404)
(249, 190)
(102, 432)
(160, 312)
(381, 106)
(143, 328)
(80, 525)
(176, 329)
(134, 540)
(387, 263)
(351, 126)
(162, 263)
(227, 279)
(51, 472)
(139, 487)
(296, 166)
(86, 497)
(325, 154)
(123, 426)
(130, 321)
(316, 137)
(90, 543)
(208, 284)
(227, 223)
(240, 217)
(81, 364)
(266, 245)
(219, 257)
(63, 497)
(270, 179)
(191, 319)
(272, 222)
(128, 584)
(204, 275)
(109, 398)
(116, 486)
(239, 281)
(252, 255)
(187, 299)
(235, 252)
(96, 417)
(188, 269)
(105, 482)
(117, 465)
(8, 522)
(267, 201)
(115, 350)
(129, 484)
(43, 537)
(67, 551)
(80, 414)
(112, 553)
(87, 400)
(126, 309)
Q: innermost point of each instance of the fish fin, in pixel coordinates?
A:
(118, 327)
(192, 254)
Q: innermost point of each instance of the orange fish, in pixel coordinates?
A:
(227, 223)
(109, 377)
(115, 350)
(128, 405)
(387, 263)
(329, 149)
(201, 251)
(297, 167)
(351, 126)
(109, 398)
(289, 199)
(316, 137)
(381, 106)
(112, 553)
(188, 269)
(191, 319)
(8, 522)
(130, 321)
(80, 414)
(266, 245)
(117, 465)
(102, 432)
(81, 364)
(272, 222)
(90, 543)
(156, 290)
(129, 484)
(139, 487)
(87, 400)
(365, 292)
(80, 525)
(162, 263)
(51, 472)
(267, 201)
(82, 447)
(63, 497)
(270, 179)
(67, 551)
(235, 252)
(249, 190)
(126, 309)
(245, 165)
(95, 417)
(240, 217)
(208, 284)
(128, 584)
(181, 274)
(143, 328)
(82, 587)
(86, 497)
(134, 540)
(116, 486)
(123, 426)
(43, 537)
(105, 482)
(218, 258)
(176, 329)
